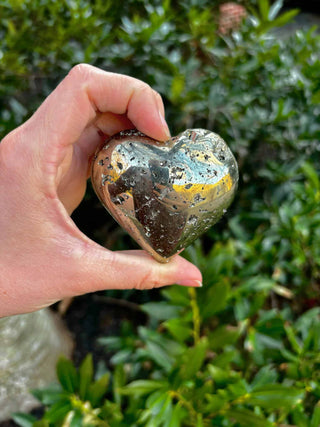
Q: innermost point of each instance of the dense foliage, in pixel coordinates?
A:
(244, 349)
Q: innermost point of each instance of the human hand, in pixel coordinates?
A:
(44, 165)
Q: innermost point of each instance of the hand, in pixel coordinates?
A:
(44, 165)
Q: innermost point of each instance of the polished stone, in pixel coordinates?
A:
(165, 195)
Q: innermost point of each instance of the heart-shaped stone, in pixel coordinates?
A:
(165, 194)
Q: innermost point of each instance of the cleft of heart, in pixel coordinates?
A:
(165, 195)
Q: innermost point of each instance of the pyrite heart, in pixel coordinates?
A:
(165, 194)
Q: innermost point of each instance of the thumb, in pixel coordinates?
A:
(89, 267)
(103, 269)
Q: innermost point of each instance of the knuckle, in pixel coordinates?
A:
(111, 259)
(147, 89)
(74, 262)
(141, 90)
(80, 71)
(149, 280)
(157, 95)
(142, 87)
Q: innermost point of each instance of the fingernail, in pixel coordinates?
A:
(191, 283)
(164, 125)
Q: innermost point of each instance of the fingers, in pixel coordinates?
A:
(86, 93)
(72, 180)
(110, 123)
(59, 139)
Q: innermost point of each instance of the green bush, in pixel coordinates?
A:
(244, 349)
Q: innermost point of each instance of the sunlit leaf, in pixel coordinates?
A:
(85, 376)
(275, 396)
(275, 9)
(264, 9)
(57, 412)
(97, 390)
(67, 375)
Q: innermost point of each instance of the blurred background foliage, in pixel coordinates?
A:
(244, 349)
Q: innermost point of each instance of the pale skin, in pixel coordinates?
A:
(44, 166)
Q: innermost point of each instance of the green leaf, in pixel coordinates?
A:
(67, 375)
(76, 420)
(315, 420)
(23, 420)
(57, 412)
(142, 387)
(119, 380)
(177, 415)
(178, 329)
(98, 389)
(177, 295)
(121, 357)
(316, 97)
(264, 376)
(215, 403)
(154, 398)
(221, 376)
(85, 376)
(264, 9)
(112, 343)
(239, 389)
(160, 405)
(112, 411)
(290, 356)
(177, 86)
(275, 396)
(161, 310)
(255, 284)
(285, 18)
(41, 423)
(293, 339)
(275, 9)
(159, 355)
(222, 336)
(300, 417)
(192, 359)
(310, 172)
(215, 299)
(247, 418)
(168, 345)
(51, 395)
(199, 422)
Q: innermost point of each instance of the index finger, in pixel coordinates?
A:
(87, 92)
